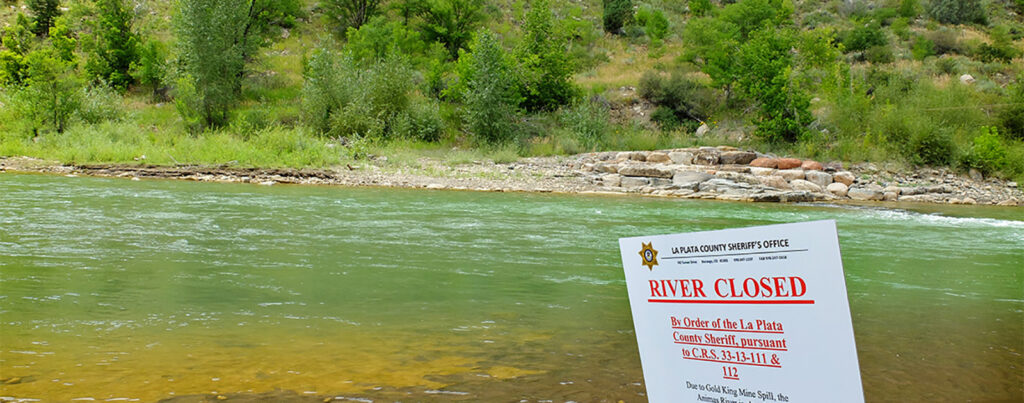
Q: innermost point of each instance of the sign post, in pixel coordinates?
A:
(743, 315)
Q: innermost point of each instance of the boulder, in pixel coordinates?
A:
(844, 177)
(737, 157)
(645, 170)
(775, 181)
(966, 79)
(765, 162)
(798, 197)
(889, 196)
(833, 167)
(631, 155)
(681, 157)
(690, 179)
(706, 156)
(837, 189)
(818, 178)
(892, 189)
(762, 171)
(806, 186)
(703, 129)
(661, 182)
(791, 174)
(629, 182)
(789, 163)
(611, 180)
(812, 166)
(865, 193)
(658, 157)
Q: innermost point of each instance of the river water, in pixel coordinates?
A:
(116, 289)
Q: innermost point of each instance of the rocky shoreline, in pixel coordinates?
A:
(716, 173)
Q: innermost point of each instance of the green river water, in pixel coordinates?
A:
(149, 290)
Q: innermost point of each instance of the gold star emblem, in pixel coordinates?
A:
(649, 255)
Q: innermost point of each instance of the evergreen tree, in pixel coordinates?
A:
(617, 13)
(43, 14)
(116, 45)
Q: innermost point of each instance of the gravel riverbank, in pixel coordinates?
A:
(720, 173)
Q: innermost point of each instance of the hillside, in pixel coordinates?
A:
(929, 83)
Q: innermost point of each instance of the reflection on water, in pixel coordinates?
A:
(111, 289)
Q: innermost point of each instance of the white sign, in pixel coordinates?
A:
(743, 315)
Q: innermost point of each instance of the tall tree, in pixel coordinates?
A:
(216, 39)
(543, 56)
(350, 13)
(43, 14)
(116, 45)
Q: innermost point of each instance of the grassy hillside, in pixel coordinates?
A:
(879, 80)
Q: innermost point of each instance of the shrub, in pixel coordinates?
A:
(932, 147)
(451, 22)
(945, 41)
(766, 67)
(909, 8)
(864, 37)
(988, 154)
(151, 68)
(1012, 118)
(680, 99)
(957, 11)
(922, 48)
(380, 37)
(99, 104)
(1002, 48)
(701, 8)
(587, 120)
(654, 22)
(880, 54)
(617, 14)
(51, 92)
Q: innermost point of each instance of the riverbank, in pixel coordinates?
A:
(715, 173)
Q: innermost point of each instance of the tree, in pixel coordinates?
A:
(50, 94)
(450, 22)
(766, 69)
(150, 69)
(43, 14)
(349, 14)
(617, 13)
(544, 61)
(16, 41)
(216, 40)
(116, 46)
(491, 90)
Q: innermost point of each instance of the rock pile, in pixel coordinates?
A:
(727, 173)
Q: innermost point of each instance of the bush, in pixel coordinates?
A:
(115, 46)
(908, 8)
(880, 54)
(945, 41)
(451, 22)
(380, 38)
(350, 14)
(922, 48)
(1011, 119)
(151, 68)
(654, 22)
(932, 147)
(988, 154)
(864, 37)
(766, 66)
(99, 104)
(680, 99)
(957, 11)
(617, 14)
(701, 8)
(587, 120)
(1002, 48)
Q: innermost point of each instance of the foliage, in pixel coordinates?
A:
(151, 67)
(16, 41)
(654, 22)
(751, 15)
(215, 40)
(908, 8)
(545, 67)
(50, 94)
(988, 154)
(451, 22)
(492, 96)
(931, 147)
(350, 14)
(680, 99)
(922, 48)
(44, 12)
(380, 37)
(99, 104)
(617, 14)
(587, 121)
(1002, 48)
(701, 8)
(864, 37)
(766, 68)
(957, 11)
(1012, 117)
(116, 46)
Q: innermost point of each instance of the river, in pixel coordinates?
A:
(148, 290)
